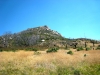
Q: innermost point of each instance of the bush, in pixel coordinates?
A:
(70, 52)
(52, 50)
(34, 49)
(87, 48)
(84, 55)
(80, 48)
(1, 50)
(98, 48)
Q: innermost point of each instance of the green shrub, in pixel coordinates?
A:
(70, 52)
(87, 48)
(52, 50)
(1, 50)
(34, 49)
(84, 55)
(80, 48)
(98, 48)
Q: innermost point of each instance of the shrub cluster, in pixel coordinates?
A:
(52, 50)
(80, 48)
(87, 48)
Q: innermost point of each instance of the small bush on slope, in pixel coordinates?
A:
(80, 48)
(70, 52)
(52, 50)
(87, 48)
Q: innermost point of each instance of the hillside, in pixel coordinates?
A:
(42, 51)
(39, 36)
(43, 37)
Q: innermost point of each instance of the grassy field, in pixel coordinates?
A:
(57, 63)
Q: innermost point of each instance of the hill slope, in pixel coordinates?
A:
(30, 37)
(43, 37)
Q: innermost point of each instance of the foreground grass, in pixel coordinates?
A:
(60, 63)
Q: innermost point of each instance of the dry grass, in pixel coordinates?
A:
(23, 60)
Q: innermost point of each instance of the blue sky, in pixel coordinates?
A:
(71, 18)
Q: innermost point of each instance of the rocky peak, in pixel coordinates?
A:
(45, 27)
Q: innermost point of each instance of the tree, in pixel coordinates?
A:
(24, 39)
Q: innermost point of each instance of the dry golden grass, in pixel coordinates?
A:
(22, 59)
(60, 56)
